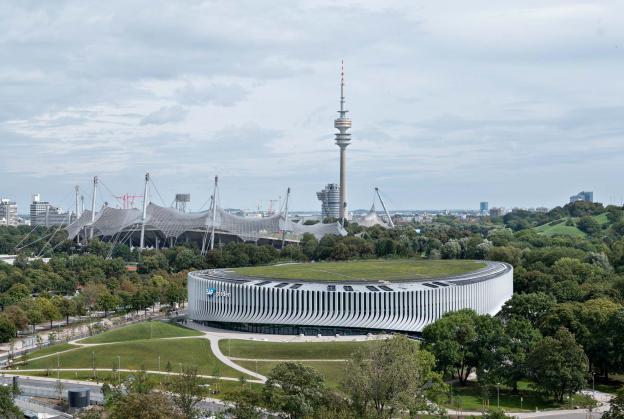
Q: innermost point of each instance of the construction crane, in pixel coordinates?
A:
(128, 200)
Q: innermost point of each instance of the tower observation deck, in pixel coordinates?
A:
(343, 139)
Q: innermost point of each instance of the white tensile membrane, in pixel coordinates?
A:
(173, 223)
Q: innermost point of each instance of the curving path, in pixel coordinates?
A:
(216, 351)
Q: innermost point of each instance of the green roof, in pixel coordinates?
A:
(365, 270)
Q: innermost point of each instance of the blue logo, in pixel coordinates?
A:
(211, 291)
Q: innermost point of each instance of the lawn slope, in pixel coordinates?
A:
(140, 331)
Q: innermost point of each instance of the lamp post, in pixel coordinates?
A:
(498, 395)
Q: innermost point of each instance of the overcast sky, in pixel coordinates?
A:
(453, 102)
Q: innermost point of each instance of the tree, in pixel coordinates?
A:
(294, 389)
(8, 409)
(451, 250)
(107, 302)
(17, 316)
(67, 307)
(521, 338)
(532, 307)
(494, 413)
(187, 392)
(244, 404)
(463, 341)
(151, 405)
(616, 411)
(391, 376)
(135, 398)
(49, 311)
(589, 225)
(558, 365)
(7, 329)
(35, 316)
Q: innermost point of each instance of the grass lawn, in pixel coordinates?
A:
(601, 218)
(378, 269)
(52, 349)
(288, 350)
(333, 372)
(140, 331)
(141, 354)
(470, 398)
(559, 229)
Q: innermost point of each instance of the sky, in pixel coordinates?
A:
(453, 102)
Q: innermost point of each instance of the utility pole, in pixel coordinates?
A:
(214, 212)
(145, 198)
(285, 217)
(95, 182)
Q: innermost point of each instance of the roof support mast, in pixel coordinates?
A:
(77, 190)
(285, 217)
(144, 216)
(214, 212)
(384, 208)
(95, 182)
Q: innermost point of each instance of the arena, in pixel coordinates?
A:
(293, 301)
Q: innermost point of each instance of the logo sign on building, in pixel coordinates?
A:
(213, 292)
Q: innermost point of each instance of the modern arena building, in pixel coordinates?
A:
(266, 301)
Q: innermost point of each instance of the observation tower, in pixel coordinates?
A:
(343, 139)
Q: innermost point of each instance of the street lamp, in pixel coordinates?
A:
(498, 395)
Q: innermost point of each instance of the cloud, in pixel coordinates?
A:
(218, 94)
(452, 102)
(165, 115)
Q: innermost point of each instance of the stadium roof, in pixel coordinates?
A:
(173, 223)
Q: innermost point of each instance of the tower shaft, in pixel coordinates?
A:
(343, 183)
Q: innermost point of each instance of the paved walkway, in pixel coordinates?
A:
(231, 334)
(233, 358)
(214, 335)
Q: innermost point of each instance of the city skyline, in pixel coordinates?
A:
(455, 104)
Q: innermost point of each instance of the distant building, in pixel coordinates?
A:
(43, 213)
(586, 196)
(484, 208)
(541, 209)
(330, 201)
(8, 212)
(497, 212)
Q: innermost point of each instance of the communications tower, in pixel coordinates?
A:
(343, 139)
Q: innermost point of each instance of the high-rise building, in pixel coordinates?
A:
(343, 139)
(484, 207)
(45, 214)
(330, 201)
(586, 196)
(8, 212)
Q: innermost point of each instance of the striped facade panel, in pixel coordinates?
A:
(406, 307)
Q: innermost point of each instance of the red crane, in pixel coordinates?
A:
(128, 200)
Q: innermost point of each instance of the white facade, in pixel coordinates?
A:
(222, 296)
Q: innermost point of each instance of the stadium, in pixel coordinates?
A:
(346, 297)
